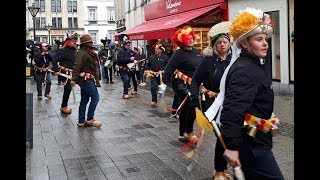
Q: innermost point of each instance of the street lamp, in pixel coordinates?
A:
(49, 30)
(34, 11)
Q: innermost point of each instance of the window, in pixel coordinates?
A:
(40, 3)
(111, 35)
(56, 23)
(110, 11)
(72, 22)
(92, 13)
(40, 22)
(72, 6)
(93, 35)
(55, 5)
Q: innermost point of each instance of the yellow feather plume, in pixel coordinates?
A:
(202, 120)
(243, 23)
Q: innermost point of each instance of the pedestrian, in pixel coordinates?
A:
(184, 61)
(42, 76)
(154, 67)
(65, 58)
(142, 66)
(206, 83)
(136, 70)
(115, 59)
(103, 56)
(246, 118)
(125, 56)
(86, 73)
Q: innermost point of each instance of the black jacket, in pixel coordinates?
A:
(65, 57)
(42, 61)
(124, 56)
(186, 61)
(248, 90)
(156, 63)
(209, 72)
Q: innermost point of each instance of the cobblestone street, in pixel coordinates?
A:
(135, 141)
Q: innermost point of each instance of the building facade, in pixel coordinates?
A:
(55, 19)
(99, 19)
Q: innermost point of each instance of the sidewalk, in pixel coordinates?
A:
(135, 141)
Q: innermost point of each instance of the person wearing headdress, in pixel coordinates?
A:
(155, 66)
(86, 73)
(246, 117)
(182, 66)
(42, 59)
(125, 56)
(106, 60)
(65, 58)
(206, 82)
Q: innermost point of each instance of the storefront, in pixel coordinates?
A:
(165, 16)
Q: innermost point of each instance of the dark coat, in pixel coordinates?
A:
(248, 90)
(65, 57)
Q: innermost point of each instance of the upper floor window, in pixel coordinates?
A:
(56, 23)
(40, 22)
(40, 3)
(111, 15)
(72, 6)
(94, 35)
(55, 5)
(72, 22)
(92, 13)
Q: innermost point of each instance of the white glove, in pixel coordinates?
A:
(162, 88)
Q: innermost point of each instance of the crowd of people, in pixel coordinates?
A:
(227, 82)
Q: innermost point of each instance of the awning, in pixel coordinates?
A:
(163, 27)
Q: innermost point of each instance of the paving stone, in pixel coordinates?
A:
(133, 143)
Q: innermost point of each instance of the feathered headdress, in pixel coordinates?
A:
(124, 38)
(182, 35)
(249, 22)
(160, 46)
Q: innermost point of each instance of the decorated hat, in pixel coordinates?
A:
(219, 30)
(182, 35)
(85, 38)
(249, 22)
(160, 46)
(124, 38)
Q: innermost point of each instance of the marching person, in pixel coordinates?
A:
(247, 120)
(155, 65)
(206, 82)
(41, 67)
(65, 58)
(125, 56)
(184, 62)
(142, 67)
(86, 73)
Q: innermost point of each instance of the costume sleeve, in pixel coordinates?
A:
(241, 89)
(56, 58)
(169, 68)
(77, 67)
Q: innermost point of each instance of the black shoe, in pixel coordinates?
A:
(111, 82)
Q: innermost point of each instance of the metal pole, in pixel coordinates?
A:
(49, 38)
(34, 28)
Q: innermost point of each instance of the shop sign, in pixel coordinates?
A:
(163, 8)
(58, 32)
